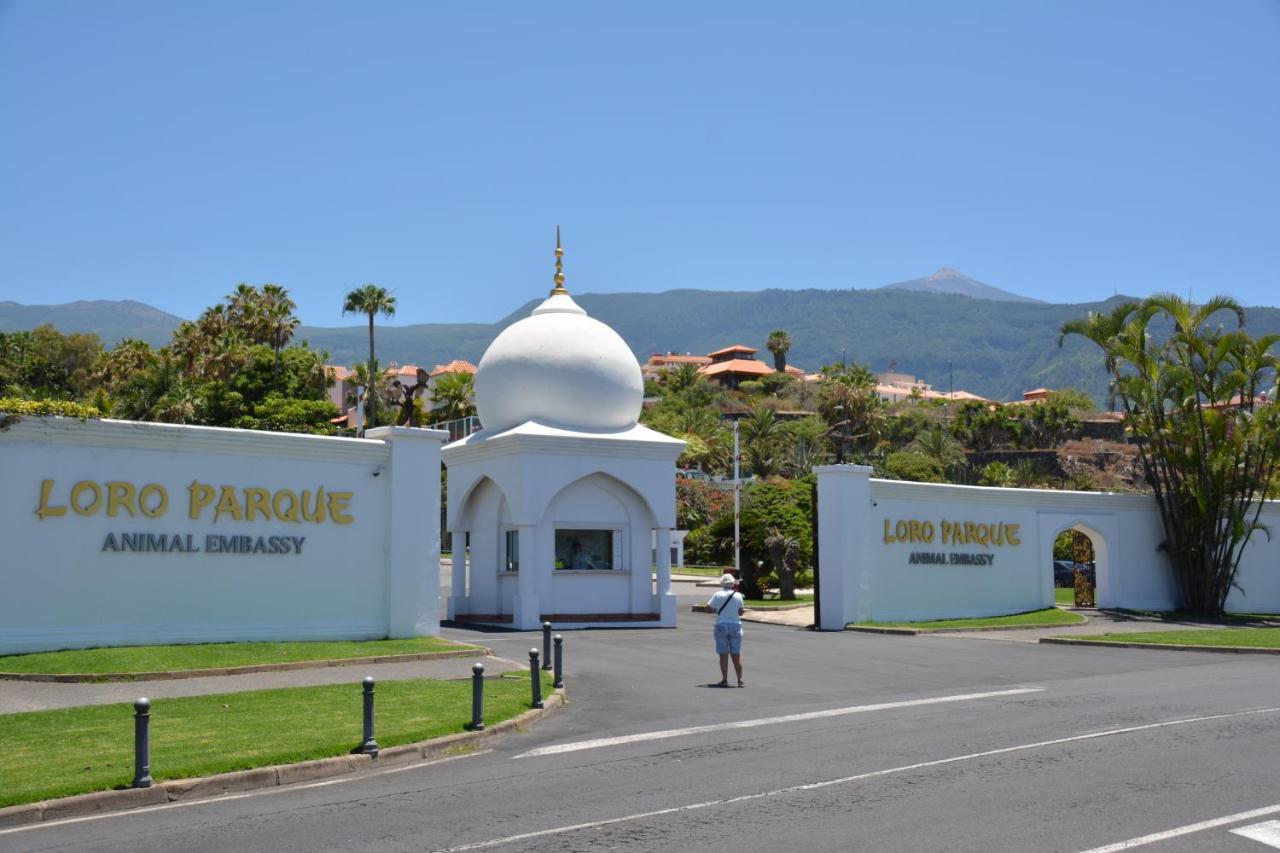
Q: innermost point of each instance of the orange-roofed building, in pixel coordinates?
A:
(458, 365)
(733, 365)
(659, 363)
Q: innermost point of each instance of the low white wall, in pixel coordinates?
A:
(898, 551)
(121, 533)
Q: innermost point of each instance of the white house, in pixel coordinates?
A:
(562, 495)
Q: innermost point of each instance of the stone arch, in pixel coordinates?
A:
(480, 516)
(619, 489)
(1103, 549)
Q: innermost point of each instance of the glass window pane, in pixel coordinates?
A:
(513, 550)
(584, 549)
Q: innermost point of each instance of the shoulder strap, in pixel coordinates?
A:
(731, 597)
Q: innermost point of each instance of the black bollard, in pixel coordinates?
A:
(559, 669)
(546, 645)
(142, 743)
(368, 746)
(535, 678)
(477, 697)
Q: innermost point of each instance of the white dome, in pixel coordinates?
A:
(559, 367)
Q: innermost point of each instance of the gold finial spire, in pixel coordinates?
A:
(559, 290)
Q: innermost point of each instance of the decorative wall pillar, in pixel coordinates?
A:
(525, 612)
(666, 601)
(458, 592)
(844, 507)
(413, 559)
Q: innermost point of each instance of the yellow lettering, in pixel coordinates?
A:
(43, 509)
(121, 495)
(290, 514)
(946, 531)
(316, 515)
(970, 532)
(79, 489)
(984, 534)
(338, 507)
(161, 504)
(1011, 534)
(927, 531)
(227, 503)
(256, 501)
(902, 530)
(201, 497)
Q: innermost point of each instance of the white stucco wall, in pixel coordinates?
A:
(872, 572)
(70, 579)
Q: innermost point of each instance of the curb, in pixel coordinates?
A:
(176, 674)
(869, 629)
(1169, 647)
(127, 799)
(702, 608)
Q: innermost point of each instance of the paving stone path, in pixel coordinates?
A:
(16, 696)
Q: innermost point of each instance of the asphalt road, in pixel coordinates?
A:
(1078, 748)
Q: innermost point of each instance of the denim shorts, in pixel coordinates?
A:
(728, 638)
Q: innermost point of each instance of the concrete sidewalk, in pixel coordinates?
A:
(17, 696)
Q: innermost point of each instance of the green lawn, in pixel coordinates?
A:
(1253, 638)
(213, 655)
(1064, 595)
(46, 754)
(700, 571)
(1048, 617)
(762, 603)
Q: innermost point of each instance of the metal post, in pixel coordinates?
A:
(546, 645)
(477, 697)
(359, 411)
(142, 743)
(535, 678)
(368, 746)
(737, 488)
(559, 667)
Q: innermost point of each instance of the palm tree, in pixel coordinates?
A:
(778, 344)
(371, 300)
(762, 435)
(454, 395)
(278, 320)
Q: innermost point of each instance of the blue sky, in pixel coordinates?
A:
(165, 151)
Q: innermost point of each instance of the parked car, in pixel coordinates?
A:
(1064, 573)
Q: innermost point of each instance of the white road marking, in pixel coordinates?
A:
(1184, 830)
(813, 786)
(1268, 832)
(766, 721)
(226, 798)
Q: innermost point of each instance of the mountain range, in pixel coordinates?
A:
(995, 348)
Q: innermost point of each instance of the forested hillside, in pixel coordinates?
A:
(997, 349)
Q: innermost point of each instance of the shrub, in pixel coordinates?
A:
(917, 467)
(13, 410)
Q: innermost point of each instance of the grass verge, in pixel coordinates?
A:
(700, 571)
(1064, 595)
(766, 603)
(1251, 638)
(46, 754)
(213, 655)
(1049, 617)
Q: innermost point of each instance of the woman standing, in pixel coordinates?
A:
(728, 605)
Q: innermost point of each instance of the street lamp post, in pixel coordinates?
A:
(841, 423)
(737, 488)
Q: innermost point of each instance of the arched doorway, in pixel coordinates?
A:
(1075, 578)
